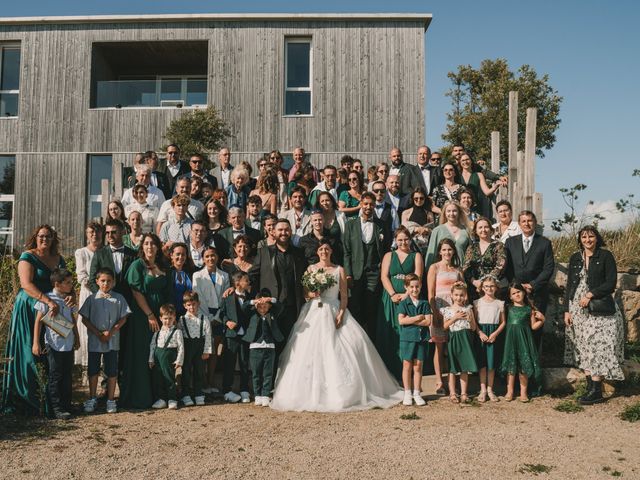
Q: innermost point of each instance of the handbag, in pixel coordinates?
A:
(604, 306)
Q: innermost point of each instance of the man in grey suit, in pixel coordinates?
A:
(222, 171)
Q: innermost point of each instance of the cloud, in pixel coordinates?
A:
(613, 218)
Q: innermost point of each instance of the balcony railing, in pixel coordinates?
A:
(151, 93)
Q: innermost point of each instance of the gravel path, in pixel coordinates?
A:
(503, 440)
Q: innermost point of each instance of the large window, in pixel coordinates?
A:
(298, 75)
(149, 74)
(7, 182)
(99, 168)
(9, 79)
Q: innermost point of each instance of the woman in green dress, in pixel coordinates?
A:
(133, 239)
(396, 265)
(476, 182)
(151, 286)
(453, 225)
(520, 355)
(23, 380)
(349, 200)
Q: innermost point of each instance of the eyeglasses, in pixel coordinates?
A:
(197, 162)
(379, 190)
(436, 159)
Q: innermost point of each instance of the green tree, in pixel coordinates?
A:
(198, 131)
(571, 222)
(480, 105)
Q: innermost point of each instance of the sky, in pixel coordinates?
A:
(590, 50)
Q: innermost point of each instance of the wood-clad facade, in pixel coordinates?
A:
(368, 88)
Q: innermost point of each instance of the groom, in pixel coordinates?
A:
(364, 246)
(280, 268)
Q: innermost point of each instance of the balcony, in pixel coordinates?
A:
(160, 92)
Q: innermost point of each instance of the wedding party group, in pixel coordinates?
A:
(326, 289)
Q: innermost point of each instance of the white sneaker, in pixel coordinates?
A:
(187, 401)
(258, 401)
(246, 398)
(408, 398)
(232, 397)
(90, 405)
(159, 404)
(200, 400)
(210, 390)
(112, 407)
(173, 405)
(266, 401)
(418, 399)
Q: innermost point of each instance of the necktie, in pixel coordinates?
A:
(527, 244)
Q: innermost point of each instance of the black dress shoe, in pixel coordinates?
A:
(588, 389)
(593, 396)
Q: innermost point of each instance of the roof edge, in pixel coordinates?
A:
(195, 17)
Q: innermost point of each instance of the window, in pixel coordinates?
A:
(99, 169)
(149, 74)
(7, 181)
(297, 95)
(9, 80)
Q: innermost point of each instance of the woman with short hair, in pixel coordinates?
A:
(149, 213)
(594, 334)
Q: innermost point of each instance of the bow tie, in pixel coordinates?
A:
(117, 250)
(102, 295)
(366, 220)
(425, 168)
(379, 206)
(240, 296)
(238, 231)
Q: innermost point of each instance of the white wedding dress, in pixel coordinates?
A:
(327, 369)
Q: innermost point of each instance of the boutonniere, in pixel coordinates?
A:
(381, 236)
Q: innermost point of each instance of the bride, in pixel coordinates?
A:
(329, 364)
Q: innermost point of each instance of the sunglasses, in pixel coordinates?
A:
(416, 199)
(379, 190)
(197, 162)
(353, 179)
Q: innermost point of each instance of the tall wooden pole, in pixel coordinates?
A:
(495, 163)
(513, 140)
(530, 158)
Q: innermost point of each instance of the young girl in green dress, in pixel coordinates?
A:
(490, 314)
(461, 323)
(520, 353)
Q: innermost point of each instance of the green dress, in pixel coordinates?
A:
(520, 353)
(135, 378)
(350, 202)
(387, 327)
(22, 385)
(460, 347)
(126, 239)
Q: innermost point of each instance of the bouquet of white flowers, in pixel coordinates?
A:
(317, 281)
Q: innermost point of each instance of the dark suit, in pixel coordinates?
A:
(183, 169)
(435, 178)
(223, 240)
(365, 290)
(266, 267)
(386, 221)
(234, 348)
(104, 259)
(205, 178)
(410, 178)
(534, 267)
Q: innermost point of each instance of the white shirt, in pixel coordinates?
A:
(196, 254)
(426, 175)
(166, 212)
(155, 197)
(367, 229)
(173, 169)
(224, 176)
(118, 258)
(176, 342)
(322, 187)
(192, 325)
(512, 230)
(148, 213)
(256, 224)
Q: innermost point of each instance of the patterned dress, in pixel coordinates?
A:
(444, 281)
(477, 264)
(594, 343)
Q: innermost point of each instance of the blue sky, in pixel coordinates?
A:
(590, 50)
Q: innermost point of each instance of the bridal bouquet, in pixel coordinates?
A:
(317, 281)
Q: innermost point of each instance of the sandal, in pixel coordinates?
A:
(464, 398)
(440, 391)
(454, 398)
(492, 396)
(524, 399)
(508, 398)
(482, 396)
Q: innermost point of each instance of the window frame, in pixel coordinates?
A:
(297, 39)
(10, 231)
(91, 199)
(11, 46)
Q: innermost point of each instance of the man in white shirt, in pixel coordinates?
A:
(397, 201)
(155, 196)
(222, 171)
(298, 215)
(431, 175)
(194, 210)
(329, 184)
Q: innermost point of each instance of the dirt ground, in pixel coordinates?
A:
(219, 441)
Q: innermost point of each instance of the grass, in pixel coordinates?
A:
(631, 413)
(409, 416)
(535, 468)
(581, 389)
(613, 473)
(568, 406)
(623, 243)
(632, 351)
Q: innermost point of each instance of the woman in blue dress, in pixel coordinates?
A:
(23, 381)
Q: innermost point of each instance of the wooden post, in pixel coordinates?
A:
(104, 196)
(495, 166)
(537, 206)
(530, 158)
(513, 140)
(117, 180)
(519, 192)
